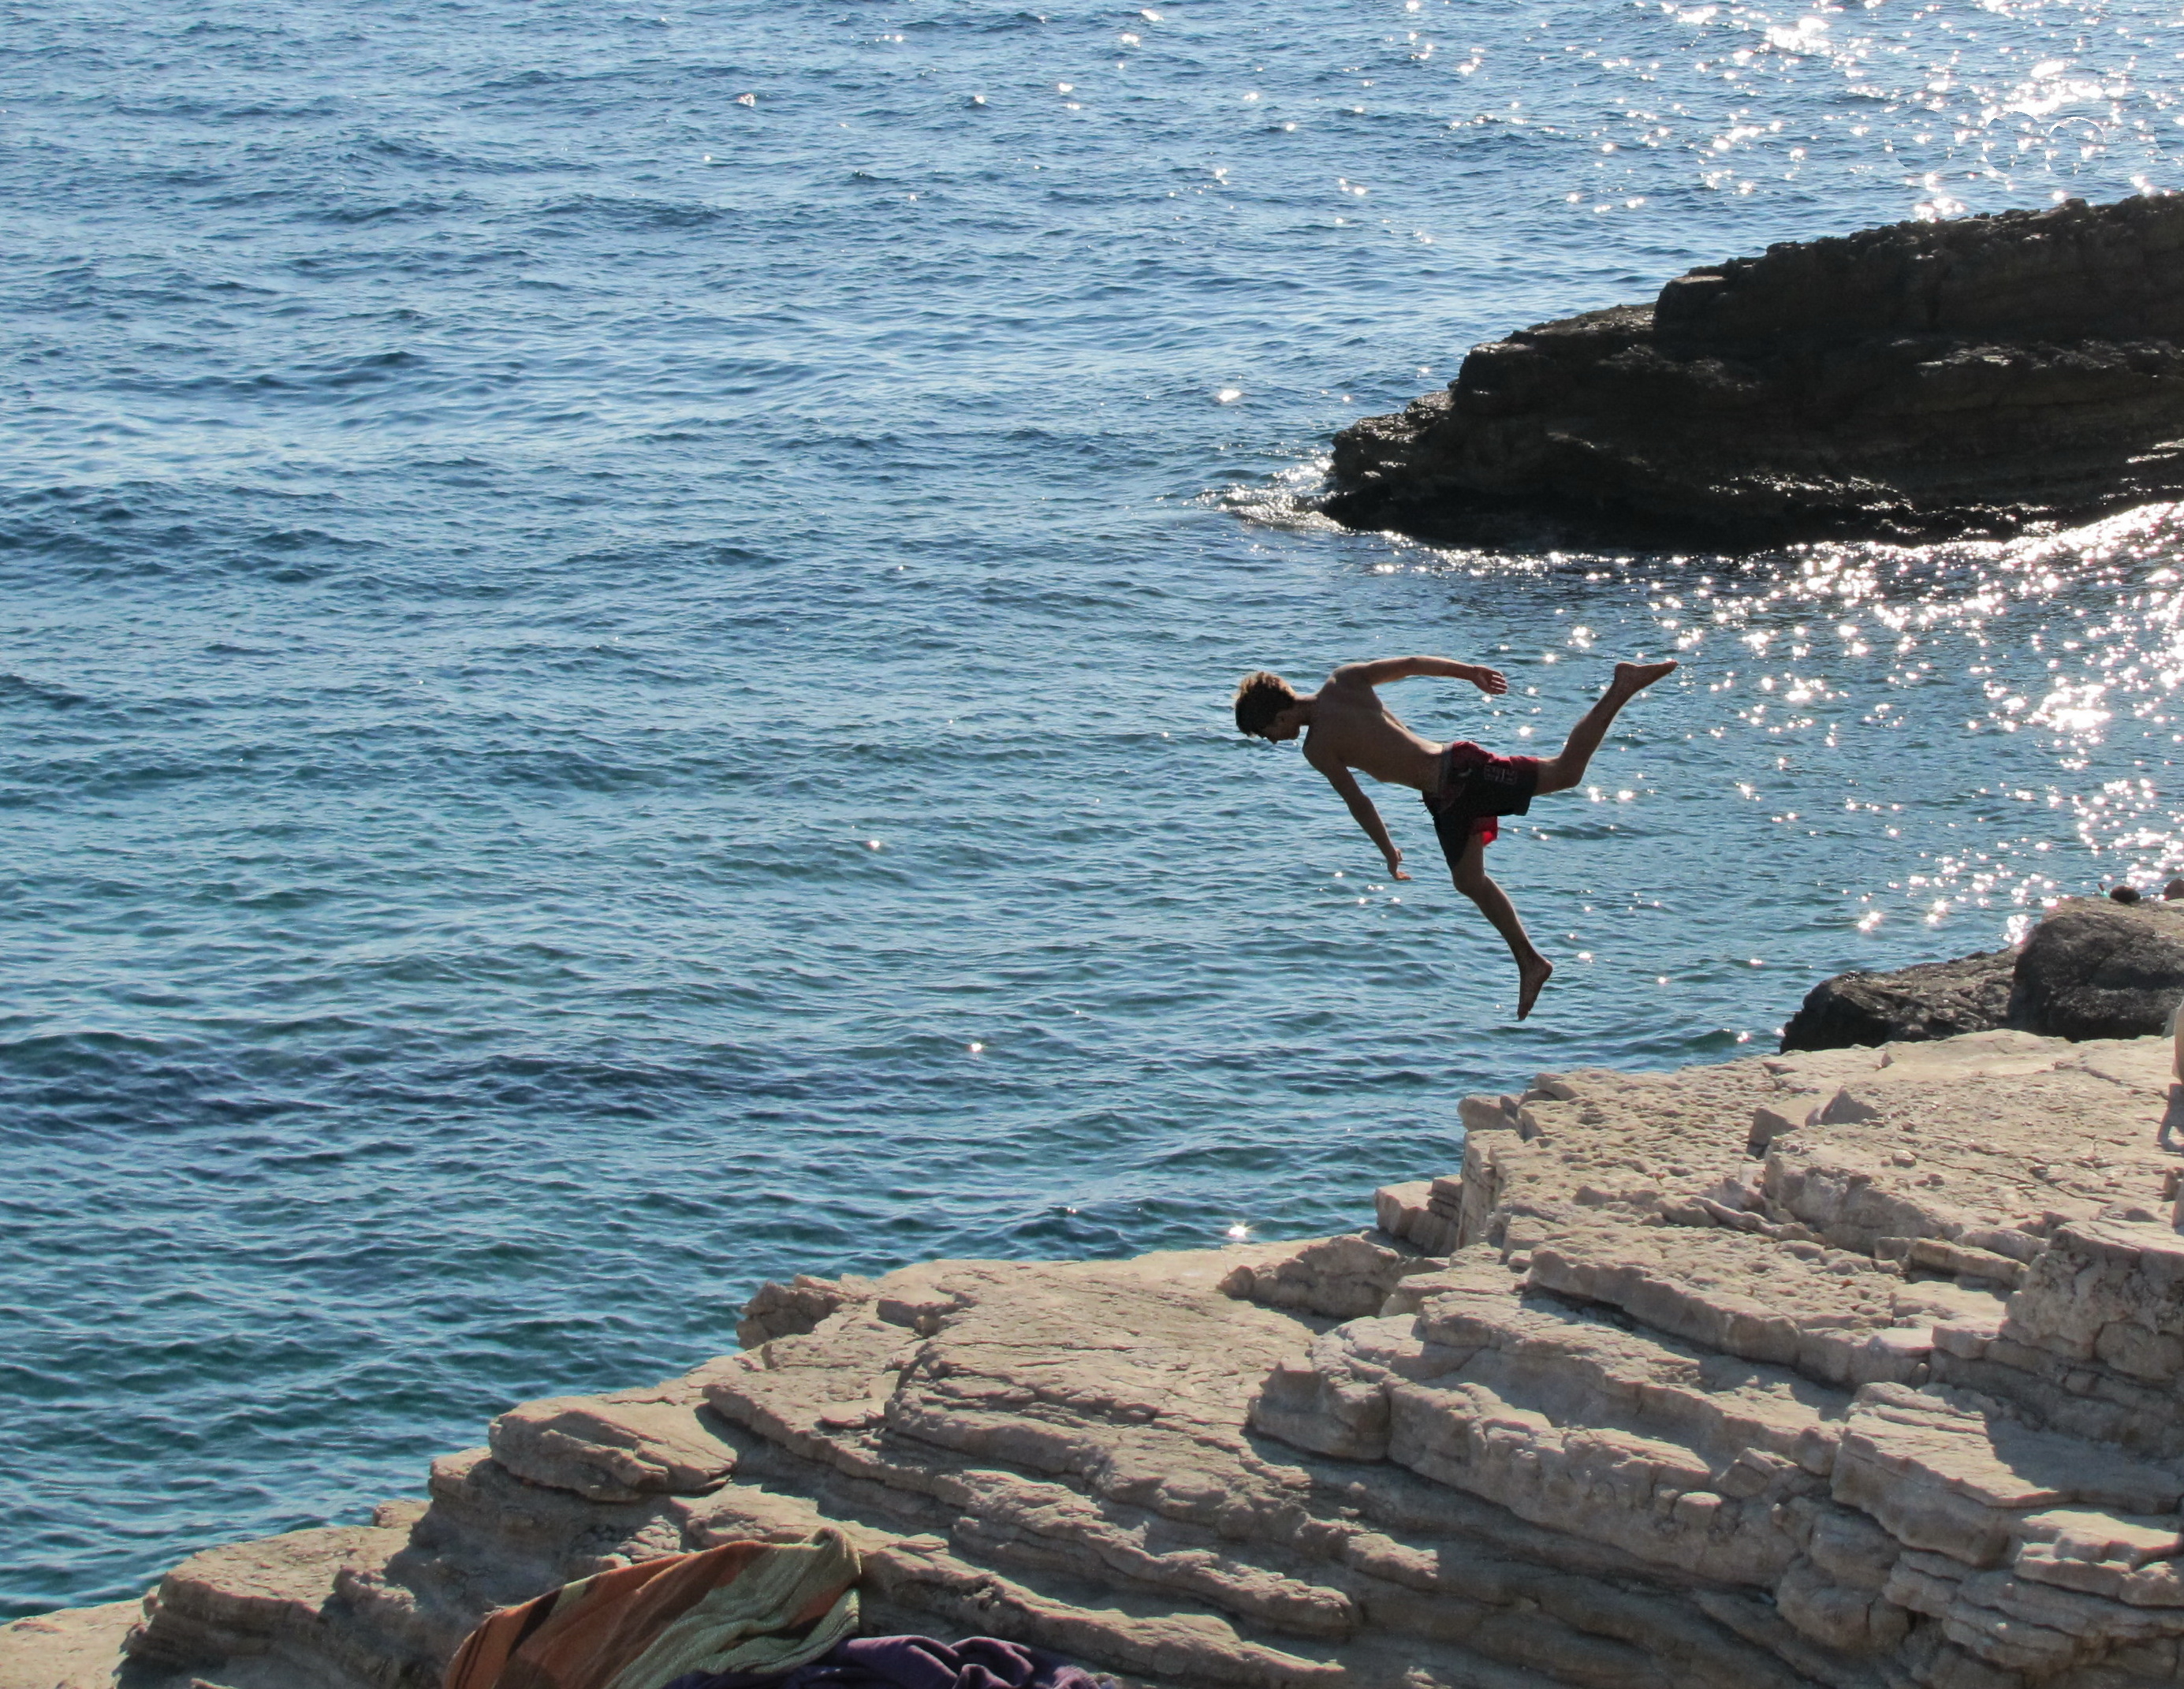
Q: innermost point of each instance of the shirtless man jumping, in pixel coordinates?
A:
(1466, 788)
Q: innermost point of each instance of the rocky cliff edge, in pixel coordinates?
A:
(1923, 381)
(1861, 1368)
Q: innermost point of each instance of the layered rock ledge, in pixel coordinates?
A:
(1976, 377)
(1859, 1369)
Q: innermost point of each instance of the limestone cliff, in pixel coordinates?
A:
(1921, 380)
(1859, 1369)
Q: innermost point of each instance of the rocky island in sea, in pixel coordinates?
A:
(1974, 377)
(1858, 1369)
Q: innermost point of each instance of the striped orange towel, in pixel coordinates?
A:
(742, 1607)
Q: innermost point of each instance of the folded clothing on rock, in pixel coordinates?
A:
(752, 1609)
(913, 1662)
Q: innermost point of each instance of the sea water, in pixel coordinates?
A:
(618, 623)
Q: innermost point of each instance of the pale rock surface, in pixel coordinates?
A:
(74, 1649)
(1425, 1213)
(1347, 1276)
(1896, 1401)
(618, 1447)
(792, 1309)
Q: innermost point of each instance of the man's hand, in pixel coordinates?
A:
(1491, 681)
(1396, 865)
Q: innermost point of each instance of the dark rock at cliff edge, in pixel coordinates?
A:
(1918, 381)
(2096, 969)
(2091, 969)
(1933, 1000)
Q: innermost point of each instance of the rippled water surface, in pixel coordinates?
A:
(617, 629)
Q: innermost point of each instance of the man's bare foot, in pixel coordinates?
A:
(1635, 677)
(1530, 976)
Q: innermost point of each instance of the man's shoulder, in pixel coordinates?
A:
(1324, 745)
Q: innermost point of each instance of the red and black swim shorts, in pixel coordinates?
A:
(1476, 789)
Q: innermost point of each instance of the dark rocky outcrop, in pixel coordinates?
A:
(2093, 968)
(1921, 380)
(2098, 969)
(1933, 1000)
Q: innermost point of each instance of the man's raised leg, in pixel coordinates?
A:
(1560, 772)
(1469, 873)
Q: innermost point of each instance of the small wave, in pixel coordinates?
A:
(16, 688)
(1284, 501)
(311, 539)
(199, 110)
(644, 214)
(355, 212)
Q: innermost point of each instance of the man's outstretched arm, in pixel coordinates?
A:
(1361, 808)
(1382, 670)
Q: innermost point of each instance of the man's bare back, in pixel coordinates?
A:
(1347, 727)
(1353, 727)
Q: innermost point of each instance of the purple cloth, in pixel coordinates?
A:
(913, 1662)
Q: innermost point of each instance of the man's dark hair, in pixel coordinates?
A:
(1260, 697)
